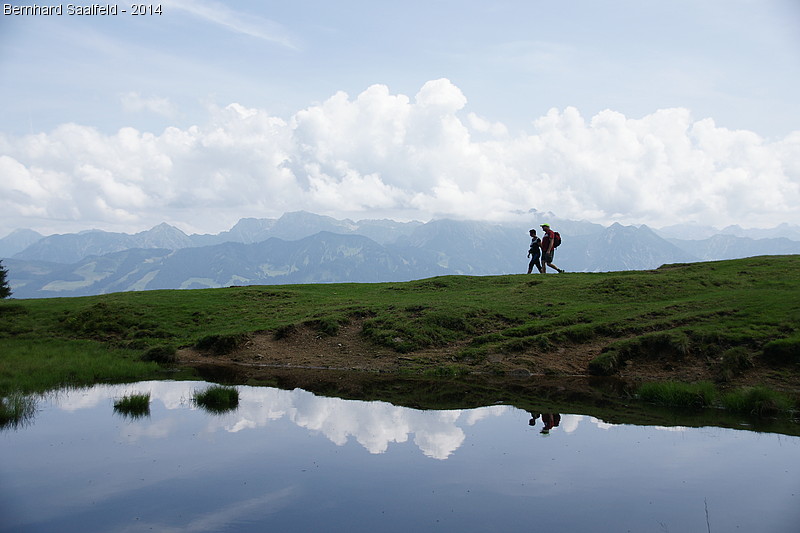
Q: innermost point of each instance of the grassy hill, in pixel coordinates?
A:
(731, 322)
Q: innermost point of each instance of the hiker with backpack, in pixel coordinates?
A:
(550, 242)
(534, 252)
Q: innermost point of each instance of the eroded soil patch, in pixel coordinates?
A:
(306, 348)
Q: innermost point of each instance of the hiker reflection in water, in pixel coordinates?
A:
(550, 421)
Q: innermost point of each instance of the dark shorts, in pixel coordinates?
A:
(547, 257)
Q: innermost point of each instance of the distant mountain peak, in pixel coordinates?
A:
(162, 229)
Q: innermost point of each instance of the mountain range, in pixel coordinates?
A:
(302, 247)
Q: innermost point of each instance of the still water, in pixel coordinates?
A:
(293, 461)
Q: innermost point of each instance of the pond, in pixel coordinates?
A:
(289, 460)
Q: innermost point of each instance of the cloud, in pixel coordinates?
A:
(245, 24)
(133, 102)
(380, 154)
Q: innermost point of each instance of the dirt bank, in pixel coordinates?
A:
(306, 348)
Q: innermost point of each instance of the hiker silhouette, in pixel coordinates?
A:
(549, 420)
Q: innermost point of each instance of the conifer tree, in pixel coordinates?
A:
(5, 290)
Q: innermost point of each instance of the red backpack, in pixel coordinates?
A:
(556, 239)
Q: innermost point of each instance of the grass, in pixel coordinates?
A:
(16, 410)
(674, 394)
(134, 405)
(217, 399)
(758, 400)
(39, 364)
(727, 313)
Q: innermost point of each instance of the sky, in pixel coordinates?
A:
(632, 111)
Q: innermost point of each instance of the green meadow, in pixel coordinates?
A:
(735, 317)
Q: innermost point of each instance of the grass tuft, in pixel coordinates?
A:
(757, 400)
(675, 394)
(783, 351)
(734, 361)
(133, 405)
(16, 410)
(605, 364)
(163, 354)
(221, 344)
(217, 399)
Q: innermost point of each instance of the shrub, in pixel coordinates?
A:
(217, 399)
(676, 394)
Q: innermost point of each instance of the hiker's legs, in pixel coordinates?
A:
(547, 260)
(534, 261)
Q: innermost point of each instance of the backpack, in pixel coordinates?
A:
(556, 239)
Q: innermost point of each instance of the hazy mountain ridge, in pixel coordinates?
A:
(73, 247)
(735, 247)
(17, 241)
(306, 248)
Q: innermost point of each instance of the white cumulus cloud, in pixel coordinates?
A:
(380, 154)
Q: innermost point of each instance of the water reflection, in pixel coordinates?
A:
(17, 411)
(293, 461)
(374, 425)
(549, 421)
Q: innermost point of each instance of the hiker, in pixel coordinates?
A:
(549, 243)
(534, 252)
